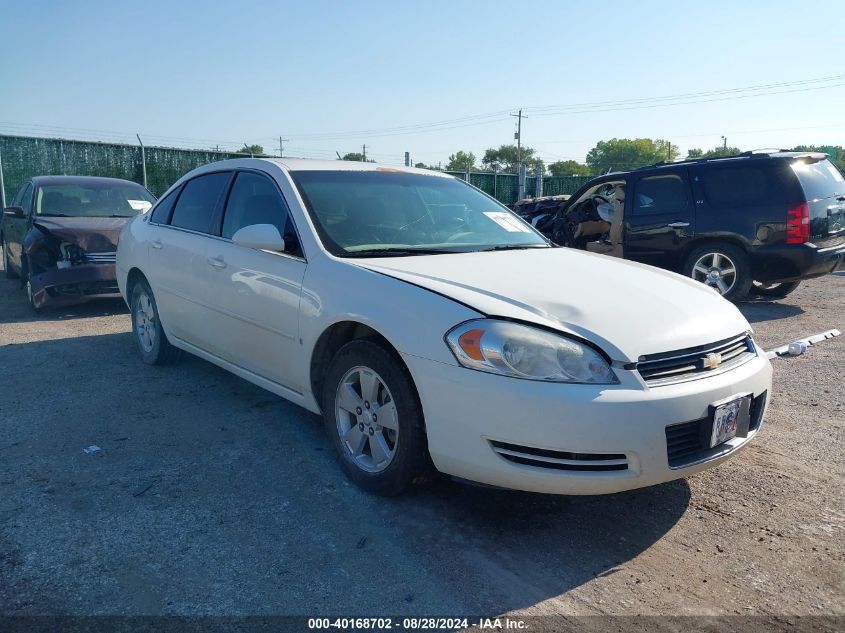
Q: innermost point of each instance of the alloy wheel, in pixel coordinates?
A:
(366, 419)
(716, 270)
(145, 322)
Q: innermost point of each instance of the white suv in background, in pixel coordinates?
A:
(434, 330)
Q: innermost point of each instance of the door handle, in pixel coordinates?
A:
(156, 244)
(216, 262)
(678, 225)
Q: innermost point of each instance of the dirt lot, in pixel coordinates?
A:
(212, 496)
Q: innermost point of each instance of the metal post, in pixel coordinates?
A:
(2, 184)
(143, 160)
(495, 192)
(538, 185)
(520, 194)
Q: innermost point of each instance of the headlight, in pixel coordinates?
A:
(511, 349)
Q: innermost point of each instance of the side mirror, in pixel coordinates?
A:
(261, 237)
(13, 212)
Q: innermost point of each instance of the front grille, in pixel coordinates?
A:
(559, 460)
(689, 442)
(101, 258)
(696, 362)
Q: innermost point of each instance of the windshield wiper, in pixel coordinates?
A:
(393, 251)
(54, 215)
(513, 247)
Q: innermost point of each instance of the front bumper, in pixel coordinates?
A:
(66, 286)
(466, 410)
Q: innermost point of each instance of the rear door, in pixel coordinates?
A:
(659, 217)
(179, 267)
(824, 189)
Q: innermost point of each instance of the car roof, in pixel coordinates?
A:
(80, 180)
(308, 164)
(750, 155)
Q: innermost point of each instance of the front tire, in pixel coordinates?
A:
(774, 290)
(152, 342)
(723, 267)
(372, 413)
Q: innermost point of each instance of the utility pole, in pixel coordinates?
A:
(281, 146)
(365, 152)
(407, 159)
(519, 167)
(725, 142)
(143, 160)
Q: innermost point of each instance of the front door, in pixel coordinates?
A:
(255, 294)
(659, 218)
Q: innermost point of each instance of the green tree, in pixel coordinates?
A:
(356, 156)
(626, 153)
(424, 166)
(252, 150)
(695, 153)
(461, 161)
(504, 159)
(717, 152)
(569, 168)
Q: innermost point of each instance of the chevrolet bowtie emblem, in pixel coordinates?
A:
(712, 361)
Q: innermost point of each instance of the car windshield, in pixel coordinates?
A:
(391, 213)
(94, 199)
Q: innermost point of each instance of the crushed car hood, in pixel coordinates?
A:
(96, 235)
(627, 308)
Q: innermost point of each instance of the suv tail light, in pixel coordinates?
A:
(798, 224)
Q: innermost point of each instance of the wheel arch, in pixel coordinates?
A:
(332, 339)
(704, 241)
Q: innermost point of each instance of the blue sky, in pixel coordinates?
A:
(331, 76)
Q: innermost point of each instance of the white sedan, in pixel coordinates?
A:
(434, 330)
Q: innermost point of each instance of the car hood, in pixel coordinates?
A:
(96, 235)
(626, 308)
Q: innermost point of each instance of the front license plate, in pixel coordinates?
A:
(725, 420)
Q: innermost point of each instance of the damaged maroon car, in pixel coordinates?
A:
(60, 236)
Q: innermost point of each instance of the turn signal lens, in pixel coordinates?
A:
(470, 343)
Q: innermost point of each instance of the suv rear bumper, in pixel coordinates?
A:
(794, 262)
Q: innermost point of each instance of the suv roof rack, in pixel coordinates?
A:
(753, 153)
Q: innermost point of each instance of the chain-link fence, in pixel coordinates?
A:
(505, 187)
(22, 157)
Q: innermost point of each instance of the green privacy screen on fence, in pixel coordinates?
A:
(24, 156)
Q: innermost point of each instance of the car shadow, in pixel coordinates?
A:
(761, 310)
(204, 494)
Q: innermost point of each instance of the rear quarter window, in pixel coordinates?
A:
(162, 210)
(741, 185)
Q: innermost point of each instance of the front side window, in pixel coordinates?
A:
(163, 209)
(382, 213)
(195, 208)
(93, 199)
(255, 199)
(660, 194)
(24, 199)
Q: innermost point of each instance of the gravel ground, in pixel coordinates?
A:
(211, 496)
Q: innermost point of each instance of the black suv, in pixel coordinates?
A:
(759, 222)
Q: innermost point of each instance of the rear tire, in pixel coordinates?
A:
(774, 290)
(723, 267)
(383, 455)
(7, 265)
(152, 342)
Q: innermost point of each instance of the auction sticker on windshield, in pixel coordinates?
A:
(507, 222)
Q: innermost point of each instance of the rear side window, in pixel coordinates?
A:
(819, 179)
(162, 211)
(25, 201)
(660, 194)
(195, 207)
(739, 185)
